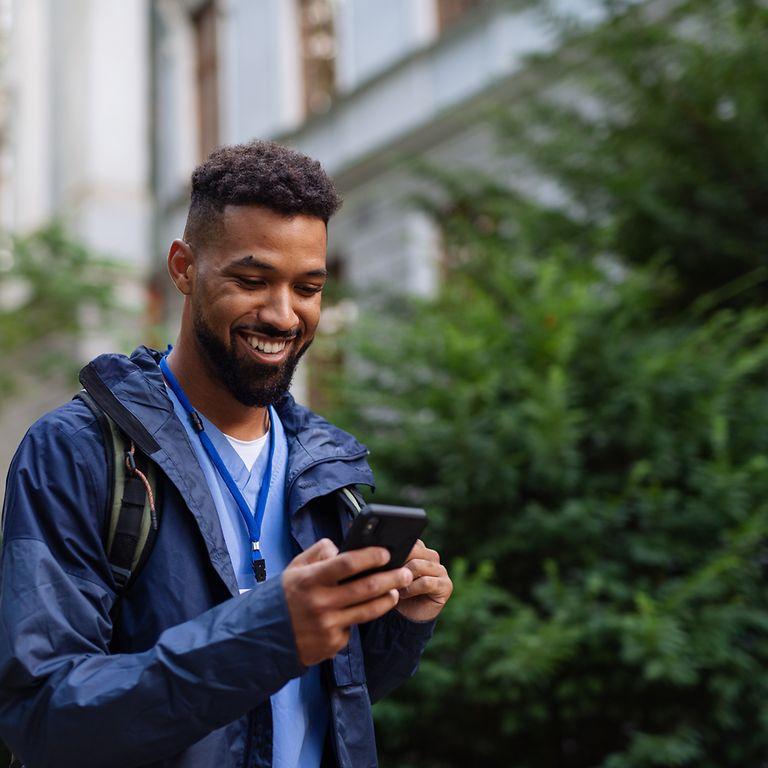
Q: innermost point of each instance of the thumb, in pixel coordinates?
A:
(320, 550)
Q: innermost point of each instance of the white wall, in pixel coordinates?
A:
(385, 239)
(113, 202)
(372, 35)
(423, 88)
(175, 133)
(28, 83)
(79, 81)
(261, 69)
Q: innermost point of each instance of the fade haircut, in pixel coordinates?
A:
(257, 173)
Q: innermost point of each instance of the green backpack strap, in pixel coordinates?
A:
(132, 517)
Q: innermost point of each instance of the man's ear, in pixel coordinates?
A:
(181, 266)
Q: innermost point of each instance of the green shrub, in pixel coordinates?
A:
(598, 483)
(583, 410)
(47, 281)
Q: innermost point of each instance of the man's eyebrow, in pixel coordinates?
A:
(254, 263)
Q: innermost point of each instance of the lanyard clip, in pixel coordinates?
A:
(259, 569)
(197, 422)
(258, 563)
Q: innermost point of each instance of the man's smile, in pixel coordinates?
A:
(267, 349)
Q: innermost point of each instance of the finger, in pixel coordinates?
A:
(368, 587)
(425, 568)
(319, 551)
(417, 551)
(349, 563)
(435, 586)
(373, 609)
(420, 551)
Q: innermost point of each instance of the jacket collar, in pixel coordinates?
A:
(134, 388)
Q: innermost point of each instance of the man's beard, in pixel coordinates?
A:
(248, 381)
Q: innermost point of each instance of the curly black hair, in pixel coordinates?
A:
(257, 173)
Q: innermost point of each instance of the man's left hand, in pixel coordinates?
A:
(430, 589)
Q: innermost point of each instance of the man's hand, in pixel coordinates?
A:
(425, 597)
(322, 610)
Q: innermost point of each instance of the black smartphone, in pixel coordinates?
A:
(382, 525)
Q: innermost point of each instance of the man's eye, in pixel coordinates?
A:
(309, 290)
(250, 282)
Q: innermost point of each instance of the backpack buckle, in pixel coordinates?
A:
(121, 575)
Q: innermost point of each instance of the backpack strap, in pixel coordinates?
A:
(349, 504)
(132, 520)
(351, 500)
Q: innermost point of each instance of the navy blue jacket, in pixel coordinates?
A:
(178, 671)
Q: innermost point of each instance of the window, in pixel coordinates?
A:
(318, 46)
(206, 49)
(451, 11)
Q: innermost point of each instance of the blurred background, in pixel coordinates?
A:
(546, 319)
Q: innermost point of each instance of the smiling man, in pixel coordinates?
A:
(181, 604)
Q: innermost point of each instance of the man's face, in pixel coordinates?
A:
(256, 300)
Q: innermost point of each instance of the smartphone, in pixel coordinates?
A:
(382, 525)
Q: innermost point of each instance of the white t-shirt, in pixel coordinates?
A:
(248, 450)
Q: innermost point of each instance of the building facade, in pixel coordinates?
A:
(106, 107)
(362, 85)
(74, 147)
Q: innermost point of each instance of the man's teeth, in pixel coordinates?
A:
(269, 347)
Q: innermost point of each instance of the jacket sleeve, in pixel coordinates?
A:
(64, 699)
(392, 648)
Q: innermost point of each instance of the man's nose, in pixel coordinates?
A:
(278, 310)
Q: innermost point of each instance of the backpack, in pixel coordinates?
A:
(133, 517)
(133, 503)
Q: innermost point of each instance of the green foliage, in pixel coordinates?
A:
(583, 411)
(598, 482)
(47, 280)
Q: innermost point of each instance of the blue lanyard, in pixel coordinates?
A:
(252, 521)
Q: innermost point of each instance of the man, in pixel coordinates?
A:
(198, 663)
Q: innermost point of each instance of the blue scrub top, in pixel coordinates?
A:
(299, 709)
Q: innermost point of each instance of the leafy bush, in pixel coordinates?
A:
(583, 411)
(47, 280)
(598, 483)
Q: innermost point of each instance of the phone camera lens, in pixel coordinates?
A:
(370, 526)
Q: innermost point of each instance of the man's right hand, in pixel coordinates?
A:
(322, 610)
